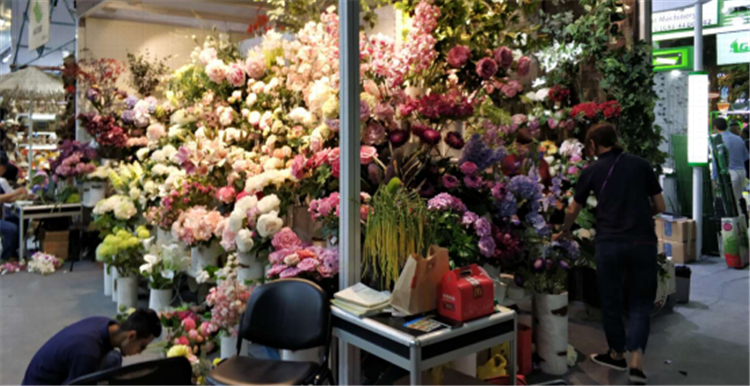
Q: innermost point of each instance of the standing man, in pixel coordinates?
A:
(628, 195)
(738, 155)
(88, 346)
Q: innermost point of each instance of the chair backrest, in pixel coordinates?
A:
(290, 314)
(169, 371)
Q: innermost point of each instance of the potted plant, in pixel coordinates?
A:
(227, 302)
(198, 227)
(123, 251)
(162, 265)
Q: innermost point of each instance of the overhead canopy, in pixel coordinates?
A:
(31, 83)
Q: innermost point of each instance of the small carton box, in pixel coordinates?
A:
(679, 231)
(681, 253)
(56, 244)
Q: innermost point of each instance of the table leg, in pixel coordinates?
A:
(415, 373)
(513, 357)
(21, 236)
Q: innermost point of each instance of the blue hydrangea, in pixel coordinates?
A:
(480, 154)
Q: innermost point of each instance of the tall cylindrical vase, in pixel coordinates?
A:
(160, 299)
(163, 237)
(107, 281)
(551, 314)
(229, 345)
(203, 256)
(250, 267)
(127, 292)
(115, 274)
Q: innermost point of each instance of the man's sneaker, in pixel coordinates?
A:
(606, 360)
(637, 377)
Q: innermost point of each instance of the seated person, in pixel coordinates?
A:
(9, 224)
(88, 346)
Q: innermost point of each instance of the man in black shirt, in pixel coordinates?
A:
(628, 195)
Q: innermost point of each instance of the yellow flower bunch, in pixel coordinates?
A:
(548, 147)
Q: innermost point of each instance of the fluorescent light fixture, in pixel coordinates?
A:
(698, 116)
(675, 73)
(664, 61)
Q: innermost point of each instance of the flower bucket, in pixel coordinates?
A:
(163, 237)
(229, 345)
(302, 223)
(160, 299)
(114, 275)
(202, 256)
(251, 267)
(127, 292)
(93, 192)
(107, 281)
(314, 354)
(551, 332)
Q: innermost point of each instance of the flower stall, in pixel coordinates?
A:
(470, 139)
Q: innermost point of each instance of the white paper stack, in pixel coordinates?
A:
(362, 300)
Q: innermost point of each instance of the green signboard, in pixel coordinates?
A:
(668, 59)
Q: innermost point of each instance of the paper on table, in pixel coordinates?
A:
(363, 295)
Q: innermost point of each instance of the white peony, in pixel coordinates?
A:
(124, 209)
(236, 221)
(251, 99)
(175, 131)
(541, 95)
(244, 240)
(273, 164)
(254, 118)
(134, 193)
(246, 203)
(160, 170)
(298, 114)
(269, 224)
(158, 156)
(256, 184)
(269, 204)
(142, 153)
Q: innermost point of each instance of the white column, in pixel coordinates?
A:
(698, 171)
(349, 183)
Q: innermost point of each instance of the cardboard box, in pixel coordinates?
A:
(678, 231)
(681, 253)
(56, 244)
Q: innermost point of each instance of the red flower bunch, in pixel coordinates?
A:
(451, 105)
(610, 109)
(104, 129)
(558, 93)
(587, 109)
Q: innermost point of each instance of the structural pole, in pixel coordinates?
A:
(350, 236)
(697, 170)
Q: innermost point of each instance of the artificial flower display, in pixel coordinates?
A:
(43, 263)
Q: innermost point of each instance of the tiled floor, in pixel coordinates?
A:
(707, 338)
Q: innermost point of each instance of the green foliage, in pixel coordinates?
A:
(462, 245)
(293, 15)
(397, 227)
(146, 75)
(737, 78)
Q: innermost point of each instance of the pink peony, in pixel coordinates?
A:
(504, 57)
(367, 154)
(458, 56)
(286, 239)
(255, 67)
(226, 194)
(572, 170)
(511, 89)
(468, 168)
(523, 65)
(486, 68)
(308, 265)
(235, 75)
(188, 324)
(216, 71)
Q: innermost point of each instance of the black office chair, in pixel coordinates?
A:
(290, 314)
(169, 371)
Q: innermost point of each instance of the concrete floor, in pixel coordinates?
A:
(707, 338)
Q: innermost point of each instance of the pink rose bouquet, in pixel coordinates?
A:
(197, 225)
(227, 302)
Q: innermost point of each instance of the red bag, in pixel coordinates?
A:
(465, 294)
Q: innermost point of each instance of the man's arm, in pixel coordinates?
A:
(570, 218)
(12, 196)
(658, 205)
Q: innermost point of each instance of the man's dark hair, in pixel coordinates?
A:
(144, 322)
(720, 124)
(603, 134)
(4, 161)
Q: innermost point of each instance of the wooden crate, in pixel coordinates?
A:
(56, 243)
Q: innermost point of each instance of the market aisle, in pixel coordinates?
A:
(707, 338)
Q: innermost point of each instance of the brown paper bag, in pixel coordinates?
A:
(416, 288)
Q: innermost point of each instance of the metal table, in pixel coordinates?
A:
(415, 351)
(37, 212)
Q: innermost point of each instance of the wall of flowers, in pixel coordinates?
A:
(233, 168)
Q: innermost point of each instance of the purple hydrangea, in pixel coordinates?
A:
(483, 227)
(445, 201)
(483, 156)
(570, 247)
(469, 219)
(537, 222)
(128, 116)
(508, 207)
(130, 101)
(487, 246)
(525, 187)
